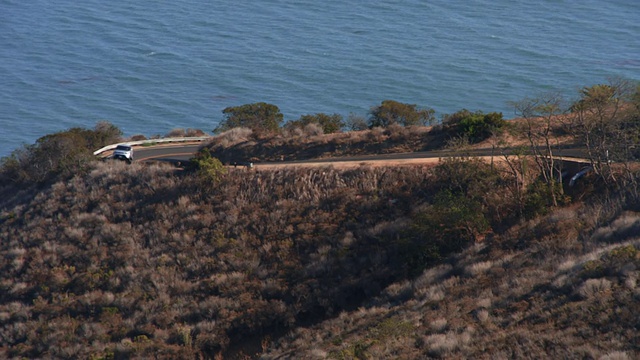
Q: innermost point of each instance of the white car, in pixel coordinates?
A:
(123, 152)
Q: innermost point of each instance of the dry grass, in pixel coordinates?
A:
(137, 261)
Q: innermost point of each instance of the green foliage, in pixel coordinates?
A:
(611, 263)
(457, 216)
(623, 254)
(259, 117)
(596, 96)
(452, 222)
(392, 328)
(592, 269)
(539, 198)
(110, 310)
(606, 120)
(207, 168)
(475, 126)
(393, 112)
(455, 219)
(107, 354)
(65, 154)
(329, 123)
(183, 335)
(472, 177)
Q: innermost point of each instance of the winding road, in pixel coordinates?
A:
(183, 152)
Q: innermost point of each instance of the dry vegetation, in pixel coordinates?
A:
(549, 288)
(297, 144)
(136, 261)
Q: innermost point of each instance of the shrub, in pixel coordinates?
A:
(232, 137)
(194, 133)
(356, 122)
(175, 133)
(393, 112)
(447, 226)
(622, 228)
(185, 133)
(313, 129)
(260, 117)
(208, 169)
(475, 126)
(615, 355)
(593, 287)
(327, 123)
(539, 198)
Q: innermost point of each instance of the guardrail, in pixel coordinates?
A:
(151, 142)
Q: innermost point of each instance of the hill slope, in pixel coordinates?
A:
(146, 261)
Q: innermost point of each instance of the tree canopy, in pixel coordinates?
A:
(393, 112)
(329, 123)
(63, 153)
(259, 117)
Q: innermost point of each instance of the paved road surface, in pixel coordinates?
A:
(183, 152)
(173, 153)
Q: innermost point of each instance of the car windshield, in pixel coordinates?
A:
(123, 147)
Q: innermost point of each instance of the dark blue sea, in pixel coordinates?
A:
(152, 66)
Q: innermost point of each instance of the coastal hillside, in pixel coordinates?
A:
(463, 258)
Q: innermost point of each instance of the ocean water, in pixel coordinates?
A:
(149, 67)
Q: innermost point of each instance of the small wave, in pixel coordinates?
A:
(627, 63)
(223, 97)
(77, 80)
(620, 63)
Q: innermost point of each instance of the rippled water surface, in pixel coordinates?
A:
(149, 67)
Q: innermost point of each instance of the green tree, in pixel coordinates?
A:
(64, 153)
(329, 123)
(393, 112)
(259, 117)
(470, 176)
(475, 126)
(207, 168)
